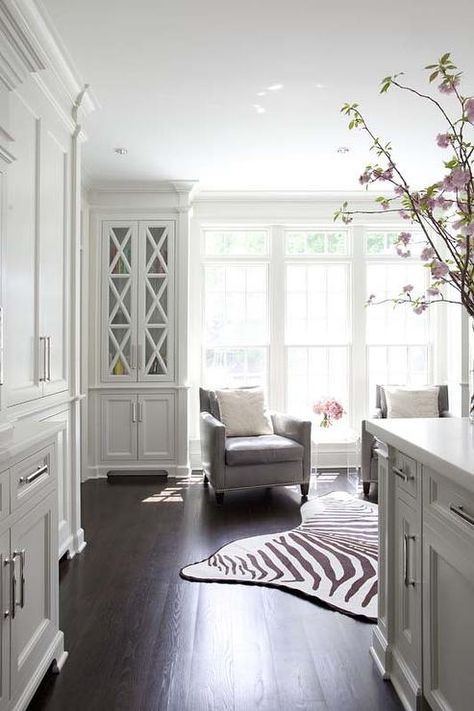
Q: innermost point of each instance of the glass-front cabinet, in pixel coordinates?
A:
(138, 301)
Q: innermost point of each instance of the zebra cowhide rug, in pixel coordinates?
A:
(331, 556)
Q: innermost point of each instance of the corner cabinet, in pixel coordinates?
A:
(138, 390)
(138, 301)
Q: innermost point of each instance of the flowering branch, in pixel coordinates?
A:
(444, 211)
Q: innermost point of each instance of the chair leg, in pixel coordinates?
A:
(205, 479)
(305, 489)
(219, 497)
(366, 487)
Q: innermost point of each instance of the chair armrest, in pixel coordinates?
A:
(377, 415)
(298, 430)
(213, 449)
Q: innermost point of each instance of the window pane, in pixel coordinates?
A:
(317, 303)
(387, 323)
(396, 365)
(235, 305)
(313, 243)
(315, 373)
(235, 242)
(235, 367)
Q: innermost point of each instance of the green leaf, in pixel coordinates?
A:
(445, 58)
(434, 75)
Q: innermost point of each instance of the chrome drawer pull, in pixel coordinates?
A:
(401, 474)
(31, 477)
(459, 511)
(21, 556)
(11, 611)
(406, 577)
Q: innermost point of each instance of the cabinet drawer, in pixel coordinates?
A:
(448, 501)
(406, 474)
(31, 475)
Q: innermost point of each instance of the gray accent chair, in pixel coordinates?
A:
(370, 445)
(230, 463)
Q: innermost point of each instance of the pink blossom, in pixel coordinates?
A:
(420, 307)
(370, 298)
(329, 407)
(398, 190)
(439, 269)
(402, 253)
(427, 253)
(364, 178)
(447, 86)
(443, 140)
(433, 291)
(469, 109)
(442, 203)
(404, 214)
(385, 205)
(469, 229)
(460, 177)
(406, 289)
(404, 238)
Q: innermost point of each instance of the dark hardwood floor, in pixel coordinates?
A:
(140, 638)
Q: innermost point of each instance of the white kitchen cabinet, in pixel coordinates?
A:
(119, 427)
(35, 569)
(36, 259)
(31, 639)
(138, 428)
(156, 426)
(137, 301)
(4, 625)
(407, 663)
(424, 638)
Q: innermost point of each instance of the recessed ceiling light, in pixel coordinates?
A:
(259, 109)
(121, 151)
(261, 93)
(275, 87)
(342, 149)
(320, 86)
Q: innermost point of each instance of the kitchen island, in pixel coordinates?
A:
(424, 639)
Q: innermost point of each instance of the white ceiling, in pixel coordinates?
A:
(177, 81)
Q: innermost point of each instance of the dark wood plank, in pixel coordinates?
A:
(142, 639)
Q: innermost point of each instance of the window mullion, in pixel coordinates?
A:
(277, 314)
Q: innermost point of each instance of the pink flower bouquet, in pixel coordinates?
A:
(330, 409)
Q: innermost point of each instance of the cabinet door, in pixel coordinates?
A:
(54, 258)
(407, 588)
(23, 360)
(448, 618)
(119, 301)
(119, 427)
(64, 479)
(5, 592)
(156, 432)
(33, 627)
(156, 302)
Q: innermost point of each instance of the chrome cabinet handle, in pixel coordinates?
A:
(134, 411)
(402, 475)
(48, 342)
(31, 477)
(140, 411)
(43, 341)
(406, 562)
(11, 609)
(459, 511)
(21, 555)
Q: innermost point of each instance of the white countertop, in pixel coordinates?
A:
(25, 435)
(444, 444)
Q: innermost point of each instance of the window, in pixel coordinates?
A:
(236, 336)
(283, 308)
(398, 340)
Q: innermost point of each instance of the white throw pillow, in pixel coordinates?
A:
(243, 412)
(412, 402)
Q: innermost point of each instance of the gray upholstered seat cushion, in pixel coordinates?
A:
(262, 449)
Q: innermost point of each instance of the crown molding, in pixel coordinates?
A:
(30, 45)
(180, 187)
(291, 196)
